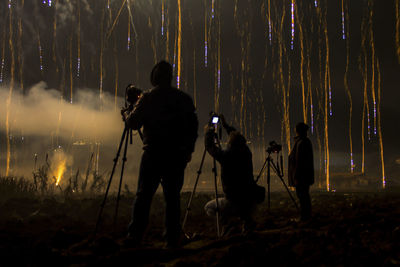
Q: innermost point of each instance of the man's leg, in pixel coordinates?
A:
(149, 180)
(172, 183)
(303, 193)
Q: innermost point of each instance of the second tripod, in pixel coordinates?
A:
(277, 168)
(126, 135)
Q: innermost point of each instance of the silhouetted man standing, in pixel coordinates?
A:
(170, 126)
(301, 169)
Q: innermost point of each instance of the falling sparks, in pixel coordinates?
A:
(343, 23)
(284, 70)
(380, 126)
(292, 14)
(178, 76)
(1, 70)
(269, 23)
(11, 88)
(128, 46)
(212, 8)
(162, 16)
(40, 54)
(330, 101)
(78, 67)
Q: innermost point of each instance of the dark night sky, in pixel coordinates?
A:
(243, 39)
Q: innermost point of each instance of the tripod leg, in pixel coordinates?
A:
(194, 190)
(280, 175)
(109, 181)
(216, 195)
(290, 194)
(269, 182)
(262, 169)
(122, 174)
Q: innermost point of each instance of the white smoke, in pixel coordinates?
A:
(42, 112)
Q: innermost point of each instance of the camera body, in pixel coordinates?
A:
(214, 119)
(132, 94)
(274, 147)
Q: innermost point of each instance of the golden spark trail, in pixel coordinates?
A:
(178, 76)
(343, 22)
(8, 103)
(364, 72)
(71, 78)
(116, 74)
(380, 125)
(20, 58)
(327, 91)
(348, 92)
(128, 46)
(269, 23)
(55, 34)
(78, 67)
(194, 79)
(397, 31)
(3, 53)
(116, 19)
(292, 24)
(365, 107)
(40, 53)
(310, 94)
(205, 35)
(59, 120)
(301, 35)
(372, 45)
(167, 52)
(153, 45)
(162, 16)
(101, 55)
(285, 92)
(218, 66)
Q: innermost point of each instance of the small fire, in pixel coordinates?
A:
(60, 171)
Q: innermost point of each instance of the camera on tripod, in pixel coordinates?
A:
(274, 147)
(132, 95)
(214, 119)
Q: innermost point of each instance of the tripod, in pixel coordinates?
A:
(278, 168)
(126, 135)
(214, 170)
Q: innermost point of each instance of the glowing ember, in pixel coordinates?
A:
(60, 171)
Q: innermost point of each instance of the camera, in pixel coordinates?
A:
(214, 119)
(274, 147)
(132, 94)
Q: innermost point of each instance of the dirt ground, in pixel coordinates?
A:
(360, 228)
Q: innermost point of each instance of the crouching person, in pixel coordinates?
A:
(237, 180)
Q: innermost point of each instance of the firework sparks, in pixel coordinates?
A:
(343, 23)
(292, 24)
(178, 75)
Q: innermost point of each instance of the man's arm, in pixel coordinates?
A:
(212, 148)
(135, 118)
(227, 127)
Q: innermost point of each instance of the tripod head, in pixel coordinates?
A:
(215, 124)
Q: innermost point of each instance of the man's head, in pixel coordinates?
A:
(302, 128)
(236, 139)
(161, 74)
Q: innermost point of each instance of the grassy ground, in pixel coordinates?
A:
(54, 228)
